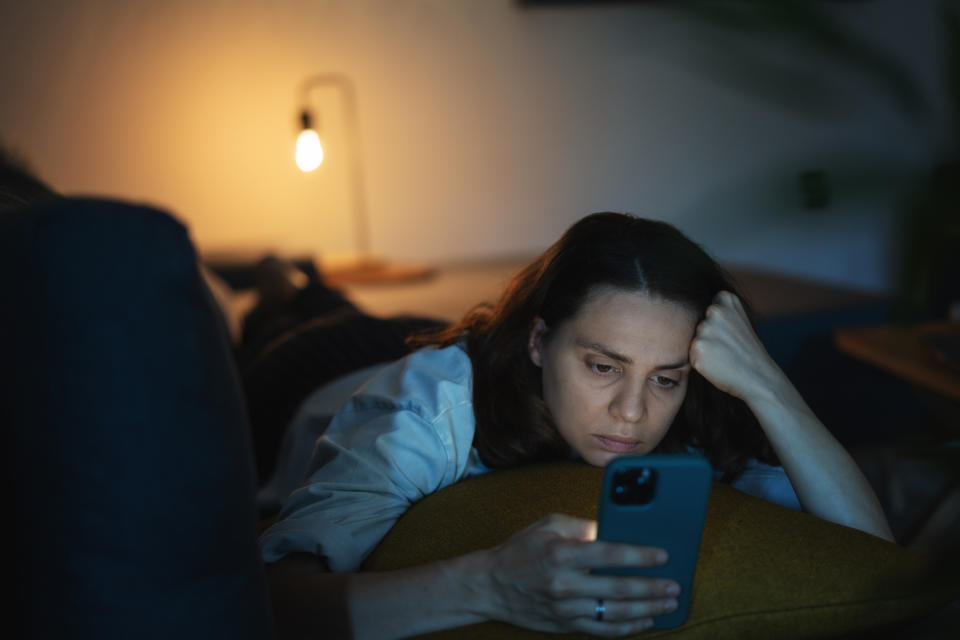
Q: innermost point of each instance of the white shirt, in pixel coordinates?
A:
(403, 434)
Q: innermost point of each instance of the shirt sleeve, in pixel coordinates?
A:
(377, 458)
(309, 424)
(769, 483)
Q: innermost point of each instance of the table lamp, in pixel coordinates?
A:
(365, 266)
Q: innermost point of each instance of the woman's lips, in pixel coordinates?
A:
(617, 444)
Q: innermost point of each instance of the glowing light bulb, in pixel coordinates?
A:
(309, 150)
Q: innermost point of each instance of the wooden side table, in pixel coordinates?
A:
(905, 351)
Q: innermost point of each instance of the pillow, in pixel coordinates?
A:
(764, 571)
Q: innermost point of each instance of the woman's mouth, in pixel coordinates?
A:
(617, 444)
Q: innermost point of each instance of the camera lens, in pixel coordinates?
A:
(634, 486)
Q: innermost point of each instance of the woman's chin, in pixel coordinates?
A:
(602, 458)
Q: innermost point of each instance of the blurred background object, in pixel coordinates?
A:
(489, 127)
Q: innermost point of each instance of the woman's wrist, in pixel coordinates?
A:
(441, 595)
(777, 404)
(767, 387)
(473, 575)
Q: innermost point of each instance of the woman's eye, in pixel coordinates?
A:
(603, 369)
(664, 381)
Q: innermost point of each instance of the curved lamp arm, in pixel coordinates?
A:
(342, 84)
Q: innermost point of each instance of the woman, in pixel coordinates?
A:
(623, 338)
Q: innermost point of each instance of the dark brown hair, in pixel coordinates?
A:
(514, 425)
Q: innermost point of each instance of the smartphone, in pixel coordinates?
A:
(658, 501)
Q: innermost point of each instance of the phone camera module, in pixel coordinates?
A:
(635, 486)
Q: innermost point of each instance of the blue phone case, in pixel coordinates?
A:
(672, 517)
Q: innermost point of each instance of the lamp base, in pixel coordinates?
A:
(370, 269)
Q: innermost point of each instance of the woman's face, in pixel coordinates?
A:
(615, 375)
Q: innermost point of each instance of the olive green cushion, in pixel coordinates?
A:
(764, 571)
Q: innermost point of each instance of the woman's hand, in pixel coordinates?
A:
(541, 579)
(727, 352)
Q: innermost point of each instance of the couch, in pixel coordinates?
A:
(133, 484)
(128, 461)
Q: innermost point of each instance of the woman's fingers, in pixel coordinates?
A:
(566, 526)
(581, 554)
(580, 585)
(726, 314)
(728, 298)
(570, 543)
(614, 610)
(726, 350)
(613, 629)
(619, 617)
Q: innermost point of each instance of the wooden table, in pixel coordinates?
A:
(902, 351)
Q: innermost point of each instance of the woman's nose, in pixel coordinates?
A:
(629, 405)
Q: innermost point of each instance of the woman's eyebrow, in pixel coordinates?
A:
(610, 353)
(619, 357)
(678, 365)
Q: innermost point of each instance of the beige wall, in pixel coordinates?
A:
(486, 129)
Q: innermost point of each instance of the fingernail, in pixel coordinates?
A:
(661, 556)
(670, 605)
(673, 590)
(647, 624)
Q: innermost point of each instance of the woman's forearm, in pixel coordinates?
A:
(307, 600)
(728, 353)
(828, 482)
(310, 602)
(540, 578)
(396, 604)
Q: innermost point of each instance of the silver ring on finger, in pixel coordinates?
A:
(600, 609)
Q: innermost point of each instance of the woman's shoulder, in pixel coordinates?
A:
(449, 363)
(430, 379)
(426, 395)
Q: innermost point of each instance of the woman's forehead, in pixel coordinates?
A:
(631, 321)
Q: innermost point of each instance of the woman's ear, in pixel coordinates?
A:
(537, 331)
